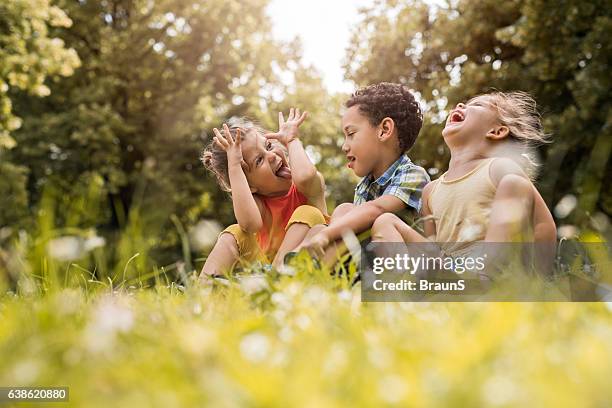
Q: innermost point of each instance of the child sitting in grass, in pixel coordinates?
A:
(277, 193)
(380, 125)
(486, 195)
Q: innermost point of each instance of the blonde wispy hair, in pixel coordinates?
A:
(518, 111)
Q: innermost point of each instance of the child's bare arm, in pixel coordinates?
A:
(511, 210)
(246, 208)
(247, 212)
(429, 224)
(544, 234)
(357, 220)
(512, 207)
(544, 229)
(303, 173)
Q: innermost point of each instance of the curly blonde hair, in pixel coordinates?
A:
(214, 157)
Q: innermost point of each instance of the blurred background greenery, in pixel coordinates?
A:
(105, 106)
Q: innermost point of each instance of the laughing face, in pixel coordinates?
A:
(267, 168)
(470, 120)
(361, 144)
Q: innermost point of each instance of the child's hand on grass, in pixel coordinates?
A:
(227, 143)
(288, 131)
(316, 245)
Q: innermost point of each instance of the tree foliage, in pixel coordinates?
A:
(29, 55)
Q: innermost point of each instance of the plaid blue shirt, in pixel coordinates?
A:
(403, 179)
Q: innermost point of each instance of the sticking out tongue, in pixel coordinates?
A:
(284, 172)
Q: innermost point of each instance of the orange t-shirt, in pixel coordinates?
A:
(270, 236)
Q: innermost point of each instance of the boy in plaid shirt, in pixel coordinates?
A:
(380, 124)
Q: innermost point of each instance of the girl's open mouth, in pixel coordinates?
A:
(456, 117)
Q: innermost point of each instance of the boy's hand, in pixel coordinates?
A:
(316, 245)
(288, 131)
(226, 142)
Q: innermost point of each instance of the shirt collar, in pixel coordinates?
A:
(386, 176)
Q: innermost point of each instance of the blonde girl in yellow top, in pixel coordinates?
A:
(487, 193)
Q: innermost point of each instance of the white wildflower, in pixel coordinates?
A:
(499, 390)
(293, 289)
(253, 284)
(281, 301)
(285, 334)
(94, 242)
(379, 357)
(113, 315)
(392, 388)
(565, 206)
(110, 316)
(303, 321)
(196, 339)
(25, 372)
(68, 301)
(315, 296)
(255, 347)
(280, 358)
(279, 316)
(600, 222)
(286, 270)
(68, 248)
(204, 234)
(335, 360)
(197, 309)
(345, 295)
(567, 231)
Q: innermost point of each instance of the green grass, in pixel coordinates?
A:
(119, 331)
(305, 340)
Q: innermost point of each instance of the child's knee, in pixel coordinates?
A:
(384, 221)
(342, 209)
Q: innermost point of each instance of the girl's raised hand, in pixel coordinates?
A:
(229, 144)
(288, 130)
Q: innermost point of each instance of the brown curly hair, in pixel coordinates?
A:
(391, 100)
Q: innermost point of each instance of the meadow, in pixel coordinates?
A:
(304, 339)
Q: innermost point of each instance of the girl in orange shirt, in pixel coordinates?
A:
(276, 191)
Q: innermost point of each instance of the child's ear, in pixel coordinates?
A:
(498, 132)
(387, 126)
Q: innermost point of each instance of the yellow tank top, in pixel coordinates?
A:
(461, 208)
